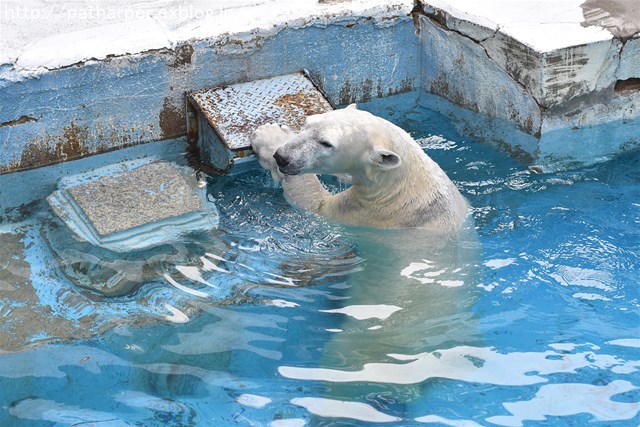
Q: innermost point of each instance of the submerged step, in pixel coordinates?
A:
(133, 205)
(221, 119)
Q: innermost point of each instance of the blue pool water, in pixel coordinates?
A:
(530, 318)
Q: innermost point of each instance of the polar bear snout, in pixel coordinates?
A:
(284, 163)
(281, 159)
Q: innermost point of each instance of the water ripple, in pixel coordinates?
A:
(470, 364)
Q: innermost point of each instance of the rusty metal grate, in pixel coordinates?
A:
(236, 111)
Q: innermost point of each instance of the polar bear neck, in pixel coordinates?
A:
(417, 170)
(418, 190)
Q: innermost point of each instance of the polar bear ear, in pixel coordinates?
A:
(385, 159)
(352, 107)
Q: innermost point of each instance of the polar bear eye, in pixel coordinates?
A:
(325, 143)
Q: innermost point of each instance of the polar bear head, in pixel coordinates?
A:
(338, 142)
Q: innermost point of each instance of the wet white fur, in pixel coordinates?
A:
(394, 183)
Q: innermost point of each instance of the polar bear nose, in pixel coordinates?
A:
(281, 160)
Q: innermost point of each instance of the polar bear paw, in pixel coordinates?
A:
(265, 141)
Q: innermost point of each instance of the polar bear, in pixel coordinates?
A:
(415, 291)
(394, 183)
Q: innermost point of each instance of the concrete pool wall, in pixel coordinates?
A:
(78, 88)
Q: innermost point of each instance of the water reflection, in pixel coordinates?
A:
(55, 412)
(86, 289)
(343, 409)
(435, 419)
(362, 312)
(469, 364)
(232, 332)
(253, 400)
(562, 400)
(396, 302)
(398, 327)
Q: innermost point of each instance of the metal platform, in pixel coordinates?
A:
(221, 119)
(133, 205)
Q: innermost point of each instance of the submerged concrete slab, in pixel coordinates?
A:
(25, 321)
(56, 297)
(133, 205)
(145, 194)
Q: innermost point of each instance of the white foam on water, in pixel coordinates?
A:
(425, 273)
(291, 422)
(626, 342)
(499, 263)
(190, 291)
(470, 364)
(435, 419)
(282, 303)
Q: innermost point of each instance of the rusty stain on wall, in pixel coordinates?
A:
(562, 69)
(172, 119)
(73, 143)
(48, 149)
(515, 152)
(406, 85)
(519, 60)
(440, 86)
(346, 94)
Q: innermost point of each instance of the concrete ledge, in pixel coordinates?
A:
(560, 74)
(565, 74)
(54, 110)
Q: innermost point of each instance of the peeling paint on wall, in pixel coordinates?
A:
(628, 85)
(557, 97)
(182, 56)
(132, 99)
(460, 70)
(93, 106)
(19, 121)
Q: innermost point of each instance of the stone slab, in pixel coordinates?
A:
(545, 25)
(133, 205)
(149, 193)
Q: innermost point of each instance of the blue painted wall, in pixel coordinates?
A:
(104, 105)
